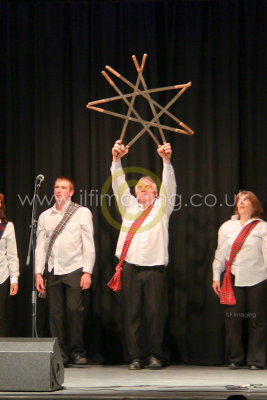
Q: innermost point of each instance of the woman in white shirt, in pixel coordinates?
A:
(9, 264)
(249, 281)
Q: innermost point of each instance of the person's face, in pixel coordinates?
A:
(245, 207)
(62, 191)
(144, 192)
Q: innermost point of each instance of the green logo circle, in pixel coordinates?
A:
(119, 198)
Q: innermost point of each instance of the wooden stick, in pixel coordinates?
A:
(188, 132)
(139, 93)
(145, 95)
(158, 115)
(132, 119)
(149, 101)
(132, 99)
(127, 102)
(187, 128)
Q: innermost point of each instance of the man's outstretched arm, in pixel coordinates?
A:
(168, 187)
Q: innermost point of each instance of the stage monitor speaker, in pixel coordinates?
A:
(30, 364)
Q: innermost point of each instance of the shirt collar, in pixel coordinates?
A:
(54, 209)
(235, 217)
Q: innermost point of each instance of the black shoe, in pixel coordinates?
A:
(255, 367)
(79, 360)
(154, 363)
(233, 365)
(136, 364)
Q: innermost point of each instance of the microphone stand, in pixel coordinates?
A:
(31, 249)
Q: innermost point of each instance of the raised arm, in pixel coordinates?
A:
(168, 186)
(119, 184)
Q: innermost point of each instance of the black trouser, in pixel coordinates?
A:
(144, 299)
(4, 288)
(250, 304)
(66, 309)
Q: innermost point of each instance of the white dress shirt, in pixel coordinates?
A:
(250, 264)
(73, 249)
(9, 262)
(149, 245)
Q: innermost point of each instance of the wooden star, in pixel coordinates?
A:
(145, 93)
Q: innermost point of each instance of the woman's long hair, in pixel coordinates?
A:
(3, 209)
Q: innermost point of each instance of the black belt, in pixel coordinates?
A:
(147, 267)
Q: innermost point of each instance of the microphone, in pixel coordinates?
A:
(39, 179)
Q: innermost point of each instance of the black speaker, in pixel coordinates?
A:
(30, 364)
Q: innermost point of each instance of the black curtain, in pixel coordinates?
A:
(52, 55)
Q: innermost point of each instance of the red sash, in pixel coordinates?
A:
(2, 229)
(115, 282)
(227, 295)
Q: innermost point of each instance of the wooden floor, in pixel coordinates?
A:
(173, 382)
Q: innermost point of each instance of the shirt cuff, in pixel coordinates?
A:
(39, 270)
(216, 276)
(116, 164)
(167, 165)
(14, 279)
(88, 269)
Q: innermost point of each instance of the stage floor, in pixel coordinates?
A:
(173, 382)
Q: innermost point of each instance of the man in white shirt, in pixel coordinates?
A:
(69, 269)
(143, 274)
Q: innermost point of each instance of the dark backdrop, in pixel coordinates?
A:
(52, 54)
